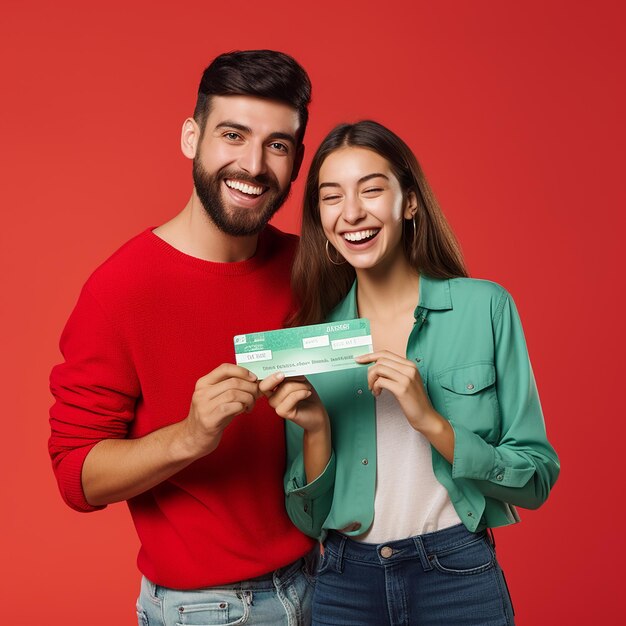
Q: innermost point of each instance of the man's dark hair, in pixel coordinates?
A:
(260, 73)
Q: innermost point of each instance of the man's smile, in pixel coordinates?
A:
(251, 190)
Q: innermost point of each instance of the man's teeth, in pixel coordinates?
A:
(249, 189)
(362, 234)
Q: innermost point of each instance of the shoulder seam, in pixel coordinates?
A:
(497, 316)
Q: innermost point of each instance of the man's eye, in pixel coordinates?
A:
(276, 145)
(232, 136)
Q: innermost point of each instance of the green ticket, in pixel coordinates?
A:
(304, 349)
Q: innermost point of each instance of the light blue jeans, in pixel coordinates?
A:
(282, 598)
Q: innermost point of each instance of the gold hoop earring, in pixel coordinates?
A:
(328, 254)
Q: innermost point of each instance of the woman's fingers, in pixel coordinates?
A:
(393, 386)
(287, 407)
(269, 383)
(285, 389)
(392, 370)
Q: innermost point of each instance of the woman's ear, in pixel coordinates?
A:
(189, 138)
(411, 205)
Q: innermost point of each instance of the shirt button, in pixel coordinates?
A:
(359, 391)
(364, 461)
(306, 508)
(386, 552)
(470, 514)
(499, 476)
(418, 360)
(470, 386)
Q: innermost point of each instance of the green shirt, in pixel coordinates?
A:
(468, 343)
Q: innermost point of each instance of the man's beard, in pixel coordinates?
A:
(241, 221)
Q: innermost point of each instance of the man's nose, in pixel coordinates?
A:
(252, 159)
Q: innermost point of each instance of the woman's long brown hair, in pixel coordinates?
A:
(318, 285)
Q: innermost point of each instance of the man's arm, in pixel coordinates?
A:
(96, 391)
(119, 469)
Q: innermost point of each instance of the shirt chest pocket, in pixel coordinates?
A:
(469, 398)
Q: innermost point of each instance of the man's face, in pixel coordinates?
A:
(244, 162)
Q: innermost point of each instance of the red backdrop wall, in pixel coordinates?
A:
(516, 113)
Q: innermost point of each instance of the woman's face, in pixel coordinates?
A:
(362, 207)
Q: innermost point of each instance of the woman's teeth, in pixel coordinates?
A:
(249, 189)
(361, 235)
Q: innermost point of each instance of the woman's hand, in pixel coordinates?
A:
(402, 378)
(296, 400)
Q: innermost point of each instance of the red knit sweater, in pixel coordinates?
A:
(149, 322)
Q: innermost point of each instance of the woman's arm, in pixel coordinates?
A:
(522, 466)
(401, 377)
(310, 475)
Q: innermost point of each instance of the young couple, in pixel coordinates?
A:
(400, 467)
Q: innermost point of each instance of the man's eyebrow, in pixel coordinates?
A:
(235, 125)
(246, 129)
(361, 180)
(283, 136)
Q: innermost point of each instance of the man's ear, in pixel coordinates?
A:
(411, 205)
(189, 138)
(297, 162)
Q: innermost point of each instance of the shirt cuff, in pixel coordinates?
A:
(323, 483)
(476, 459)
(473, 456)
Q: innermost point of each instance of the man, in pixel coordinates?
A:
(198, 456)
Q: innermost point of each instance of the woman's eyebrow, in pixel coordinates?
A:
(363, 179)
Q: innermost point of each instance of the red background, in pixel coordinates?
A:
(516, 113)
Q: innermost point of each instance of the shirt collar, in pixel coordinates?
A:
(434, 295)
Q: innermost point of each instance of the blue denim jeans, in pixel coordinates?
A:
(446, 578)
(282, 598)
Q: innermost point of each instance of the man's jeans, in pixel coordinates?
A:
(279, 599)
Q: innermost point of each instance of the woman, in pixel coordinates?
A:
(400, 467)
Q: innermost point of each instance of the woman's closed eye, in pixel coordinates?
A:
(331, 198)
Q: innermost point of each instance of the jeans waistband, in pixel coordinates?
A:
(420, 546)
(282, 576)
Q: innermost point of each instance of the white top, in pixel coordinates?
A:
(409, 499)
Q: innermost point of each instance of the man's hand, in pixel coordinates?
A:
(119, 469)
(218, 397)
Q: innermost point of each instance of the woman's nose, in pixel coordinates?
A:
(353, 210)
